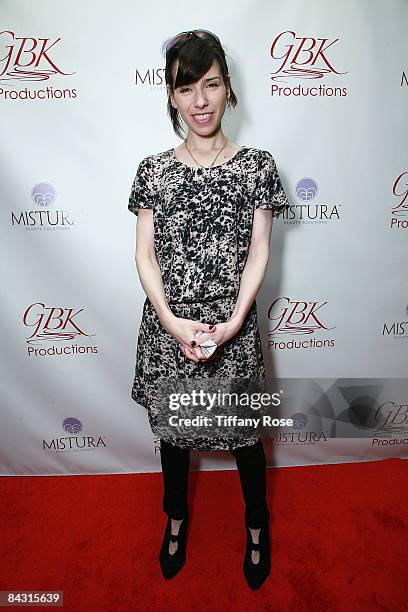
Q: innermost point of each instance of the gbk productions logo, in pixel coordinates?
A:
(44, 218)
(374, 409)
(304, 57)
(398, 330)
(296, 318)
(74, 440)
(399, 212)
(391, 417)
(55, 331)
(32, 59)
(309, 211)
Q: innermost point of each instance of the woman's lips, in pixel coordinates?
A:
(202, 118)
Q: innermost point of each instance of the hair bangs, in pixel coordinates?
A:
(194, 61)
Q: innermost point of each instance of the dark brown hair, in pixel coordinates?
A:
(195, 50)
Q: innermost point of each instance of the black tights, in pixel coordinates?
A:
(251, 465)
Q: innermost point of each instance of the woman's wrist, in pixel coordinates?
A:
(235, 323)
(167, 318)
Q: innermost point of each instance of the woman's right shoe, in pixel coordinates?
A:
(257, 573)
(171, 564)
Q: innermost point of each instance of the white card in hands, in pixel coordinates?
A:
(208, 347)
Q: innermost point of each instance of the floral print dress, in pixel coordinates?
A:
(202, 230)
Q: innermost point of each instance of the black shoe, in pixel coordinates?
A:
(171, 564)
(257, 573)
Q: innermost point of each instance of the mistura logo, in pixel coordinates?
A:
(301, 436)
(58, 327)
(73, 442)
(399, 213)
(296, 438)
(308, 211)
(154, 77)
(151, 77)
(397, 329)
(26, 58)
(298, 318)
(43, 218)
(300, 58)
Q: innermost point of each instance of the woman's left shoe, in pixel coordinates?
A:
(171, 563)
(257, 573)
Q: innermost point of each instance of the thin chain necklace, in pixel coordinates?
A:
(197, 162)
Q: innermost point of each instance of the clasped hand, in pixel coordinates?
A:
(184, 330)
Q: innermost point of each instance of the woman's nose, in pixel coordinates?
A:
(200, 100)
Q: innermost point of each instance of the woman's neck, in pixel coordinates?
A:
(206, 144)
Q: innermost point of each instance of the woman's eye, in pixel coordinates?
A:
(209, 85)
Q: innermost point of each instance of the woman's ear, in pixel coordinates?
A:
(228, 88)
(171, 97)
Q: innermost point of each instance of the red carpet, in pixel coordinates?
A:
(339, 540)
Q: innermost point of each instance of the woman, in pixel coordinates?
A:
(205, 214)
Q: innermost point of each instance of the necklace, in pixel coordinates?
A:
(197, 162)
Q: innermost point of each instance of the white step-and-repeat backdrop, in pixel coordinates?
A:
(324, 87)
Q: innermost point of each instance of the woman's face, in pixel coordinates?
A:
(202, 103)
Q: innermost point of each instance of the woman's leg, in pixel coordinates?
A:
(175, 463)
(251, 465)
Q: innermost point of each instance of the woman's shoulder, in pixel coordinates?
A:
(257, 160)
(259, 153)
(154, 164)
(155, 159)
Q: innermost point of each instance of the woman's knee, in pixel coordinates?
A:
(173, 448)
(248, 451)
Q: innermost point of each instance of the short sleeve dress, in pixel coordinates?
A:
(202, 230)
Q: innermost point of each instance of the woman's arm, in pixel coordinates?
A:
(182, 330)
(148, 267)
(255, 266)
(251, 277)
